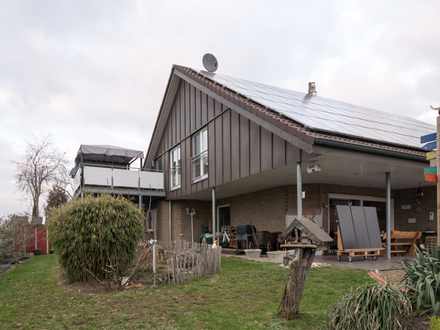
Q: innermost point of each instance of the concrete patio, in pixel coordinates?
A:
(358, 262)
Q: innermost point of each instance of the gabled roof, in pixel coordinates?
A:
(329, 116)
(306, 118)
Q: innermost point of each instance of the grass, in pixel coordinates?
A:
(245, 295)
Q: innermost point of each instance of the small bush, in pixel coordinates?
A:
(435, 323)
(422, 277)
(372, 306)
(95, 233)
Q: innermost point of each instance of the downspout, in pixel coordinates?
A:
(169, 221)
(388, 214)
(299, 190)
(371, 150)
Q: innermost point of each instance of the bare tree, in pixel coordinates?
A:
(42, 165)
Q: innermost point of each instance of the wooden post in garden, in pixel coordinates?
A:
(299, 268)
(301, 263)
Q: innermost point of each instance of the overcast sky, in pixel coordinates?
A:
(94, 72)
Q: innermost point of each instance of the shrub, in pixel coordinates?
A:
(434, 323)
(422, 277)
(372, 306)
(15, 235)
(95, 236)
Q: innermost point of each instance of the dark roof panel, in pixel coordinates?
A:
(326, 115)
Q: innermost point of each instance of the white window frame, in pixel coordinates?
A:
(175, 168)
(199, 160)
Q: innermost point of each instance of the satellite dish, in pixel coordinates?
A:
(210, 62)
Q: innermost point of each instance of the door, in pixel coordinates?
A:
(224, 216)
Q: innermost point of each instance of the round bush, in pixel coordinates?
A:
(95, 233)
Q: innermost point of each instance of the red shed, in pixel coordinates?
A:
(32, 236)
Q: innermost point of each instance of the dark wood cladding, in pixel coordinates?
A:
(237, 147)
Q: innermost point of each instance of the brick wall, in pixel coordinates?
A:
(180, 221)
(420, 212)
(267, 209)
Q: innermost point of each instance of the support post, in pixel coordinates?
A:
(154, 261)
(438, 181)
(388, 213)
(169, 221)
(299, 190)
(192, 228)
(213, 215)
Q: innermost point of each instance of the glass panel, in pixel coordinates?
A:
(175, 173)
(197, 144)
(205, 140)
(224, 214)
(196, 168)
(205, 163)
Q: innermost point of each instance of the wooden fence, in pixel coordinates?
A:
(187, 265)
(177, 246)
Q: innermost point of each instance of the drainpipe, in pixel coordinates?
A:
(299, 189)
(169, 221)
(388, 214)
(213, 216)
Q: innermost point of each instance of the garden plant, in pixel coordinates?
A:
(97, 238)
(422, 279)
(372, 306)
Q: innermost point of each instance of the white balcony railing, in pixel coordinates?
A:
(118, 178)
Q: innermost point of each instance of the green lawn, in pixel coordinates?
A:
(245, 295)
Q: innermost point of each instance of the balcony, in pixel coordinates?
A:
(101, 169)
(132, 181)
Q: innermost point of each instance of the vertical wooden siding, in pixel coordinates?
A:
(237, 147)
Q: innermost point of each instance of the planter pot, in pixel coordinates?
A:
(276, 256)
(37, 252)
(252, 253)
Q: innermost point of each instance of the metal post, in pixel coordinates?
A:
(388, 214)
(169, 220)
(192, 228)
(438, 181)
(154, 261)
(213, 215)
(81, 177)
(299, 190)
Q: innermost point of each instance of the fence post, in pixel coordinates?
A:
(174, 266)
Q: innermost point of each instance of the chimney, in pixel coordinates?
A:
(312, 90)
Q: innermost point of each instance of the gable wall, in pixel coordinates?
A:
(237, 147)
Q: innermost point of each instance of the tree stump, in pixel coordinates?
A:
(299, 268)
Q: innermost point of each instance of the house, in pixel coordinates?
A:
(237, 152)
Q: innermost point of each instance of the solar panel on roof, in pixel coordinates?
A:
(329, 115)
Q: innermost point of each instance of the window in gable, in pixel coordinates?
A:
(199, 161)
(175, 173)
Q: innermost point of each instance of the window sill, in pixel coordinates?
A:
(200, 178)
(175, 188)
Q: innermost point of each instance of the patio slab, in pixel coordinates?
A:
(359, 262)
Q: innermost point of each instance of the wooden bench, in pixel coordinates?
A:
(402, 242)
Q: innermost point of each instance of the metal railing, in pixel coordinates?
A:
(116, 176)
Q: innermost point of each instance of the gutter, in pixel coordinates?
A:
(371, 150)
